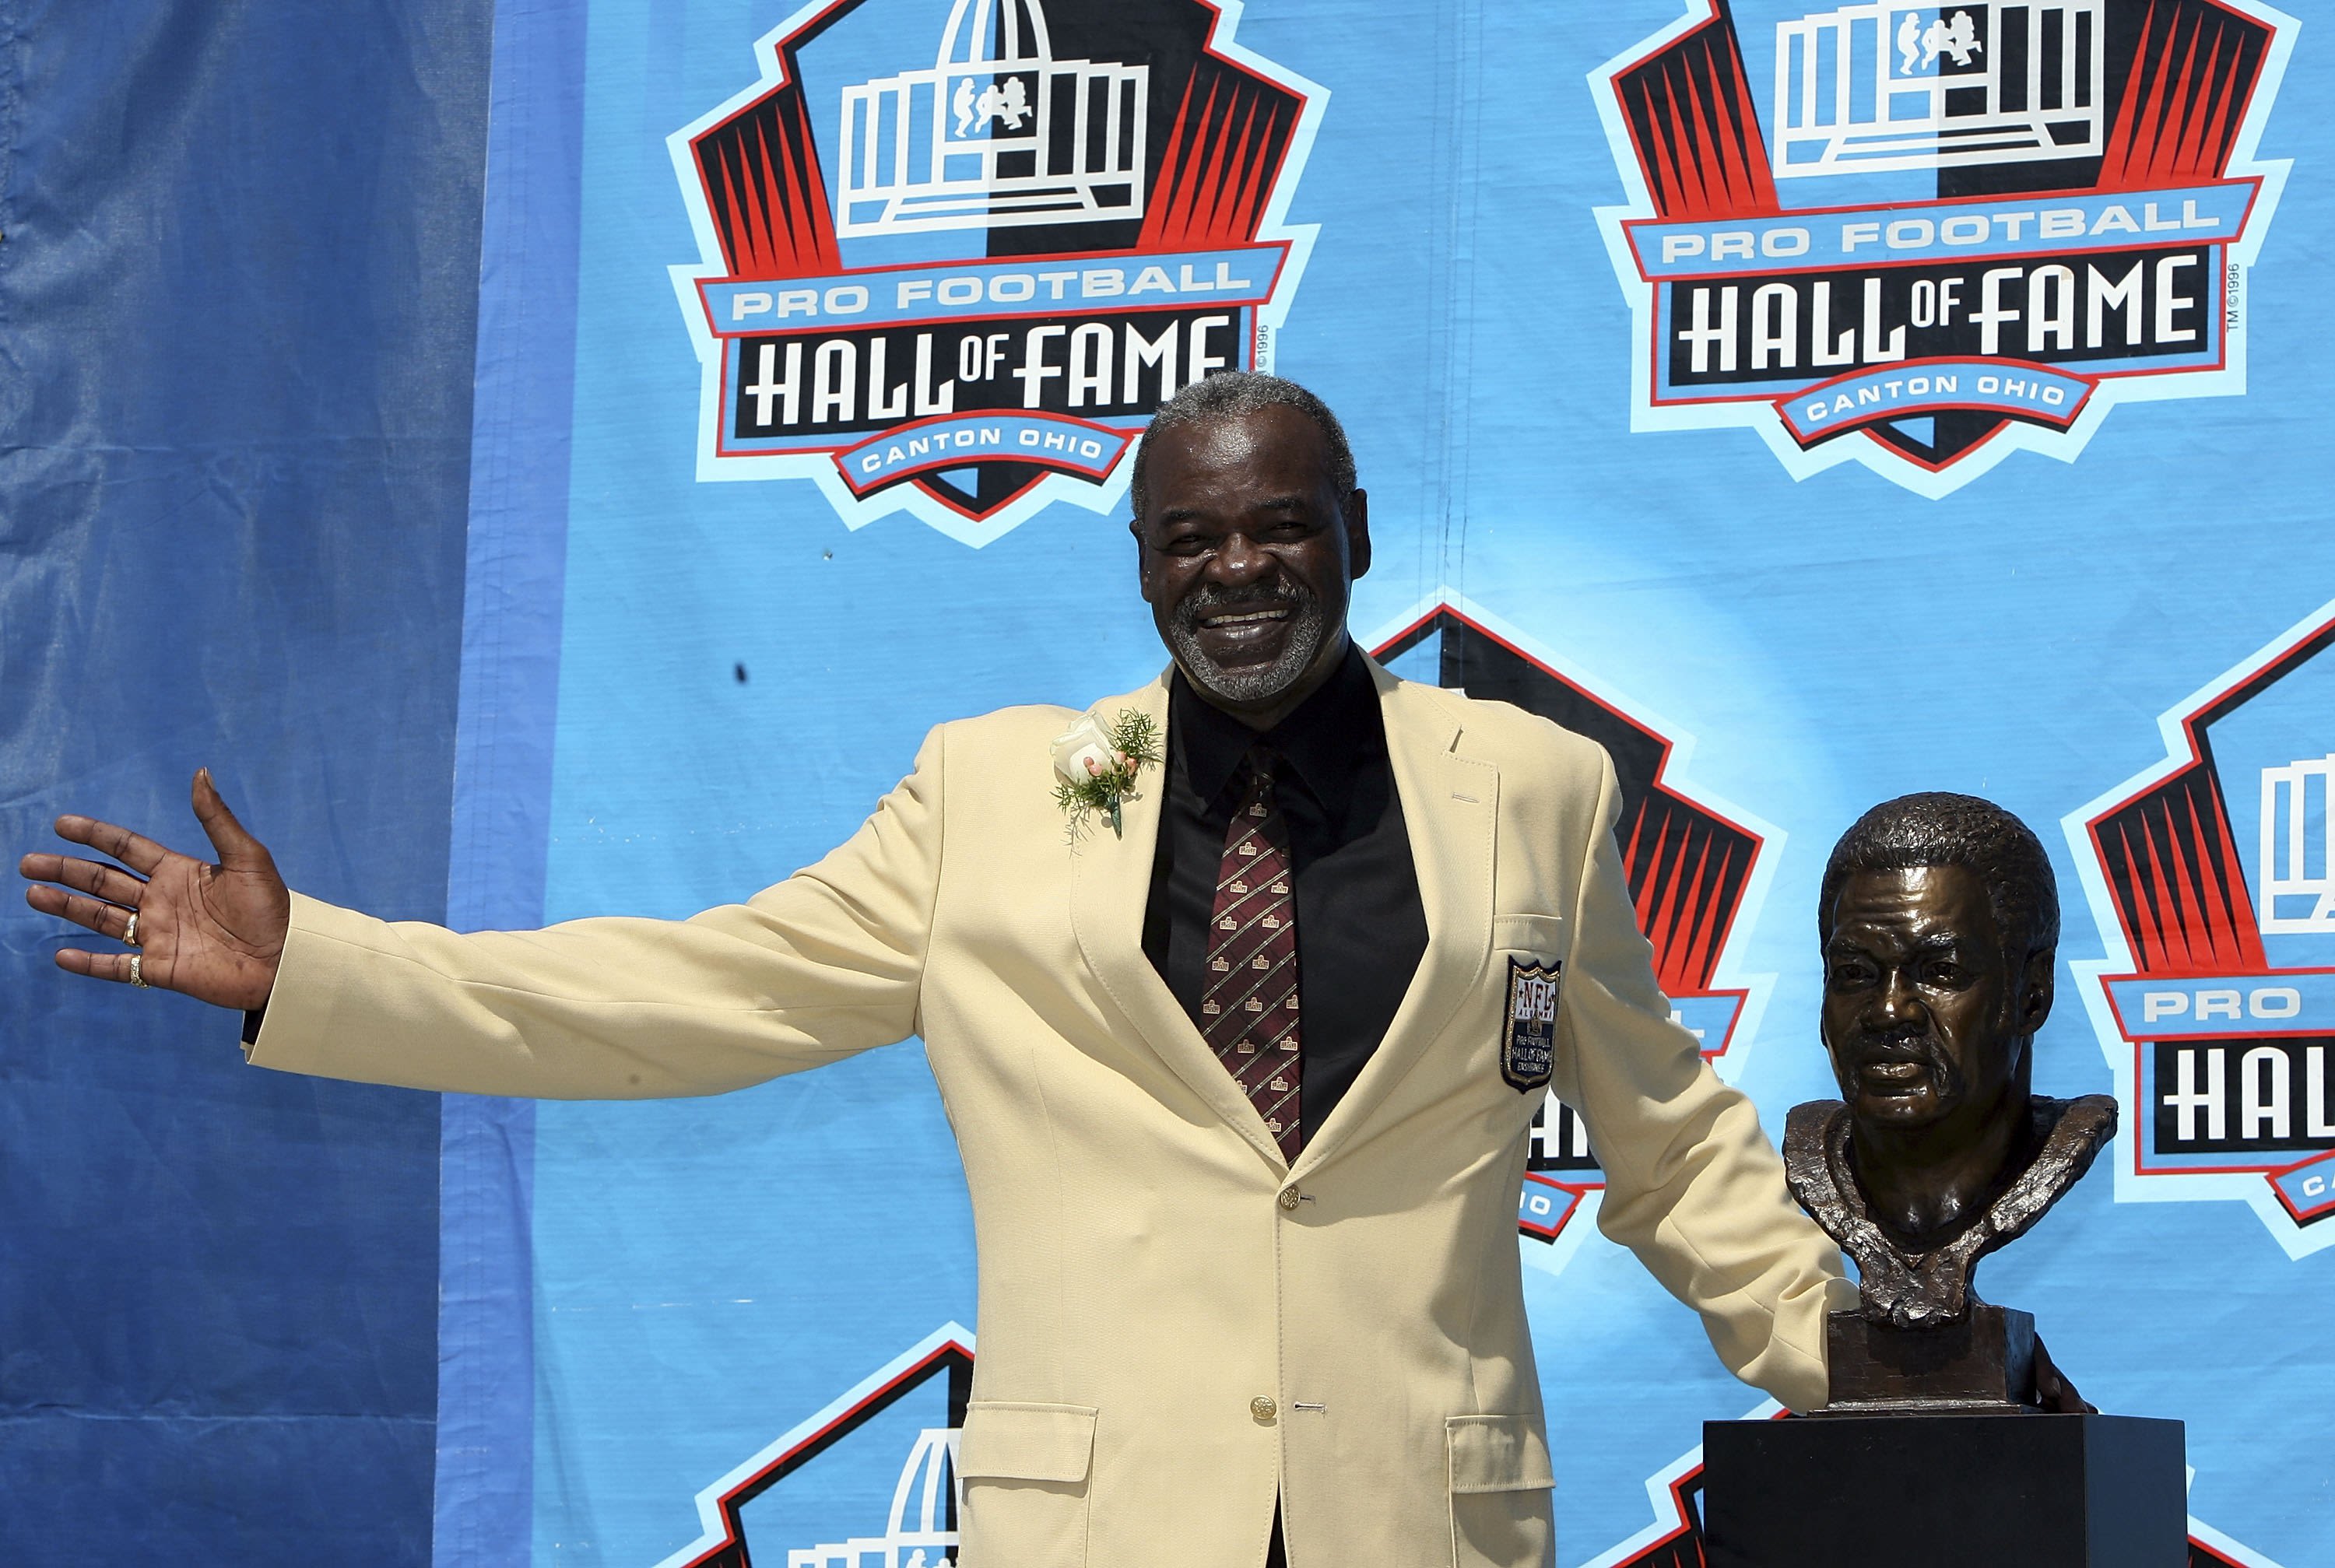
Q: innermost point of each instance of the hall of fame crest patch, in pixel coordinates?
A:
(953, 253)
(1528, 1039)
(1921, 237)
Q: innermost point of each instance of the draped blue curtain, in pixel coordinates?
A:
(238, 292)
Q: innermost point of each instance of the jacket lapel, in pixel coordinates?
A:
(1110, 885)
(1450, 805)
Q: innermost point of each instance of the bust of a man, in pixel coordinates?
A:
(1941, 921)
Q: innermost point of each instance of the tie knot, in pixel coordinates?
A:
(1259, 768)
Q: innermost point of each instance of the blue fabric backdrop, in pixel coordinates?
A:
(238, 297)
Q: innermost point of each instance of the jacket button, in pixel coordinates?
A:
(1263, 1407)
(1288, 1197)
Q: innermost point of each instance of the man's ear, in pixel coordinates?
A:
(1357, 514)
(1142, 558)
(2035, 990)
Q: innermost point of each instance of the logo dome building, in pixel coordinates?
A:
(1893, 85)
(997, 132)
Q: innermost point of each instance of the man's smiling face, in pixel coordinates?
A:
(1924, 1013)
(1248, 554)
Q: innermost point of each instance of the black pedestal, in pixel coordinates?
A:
(1935, 1491)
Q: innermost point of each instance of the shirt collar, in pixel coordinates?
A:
(1324, 742)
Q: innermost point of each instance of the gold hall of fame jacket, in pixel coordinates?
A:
(1347, 1333)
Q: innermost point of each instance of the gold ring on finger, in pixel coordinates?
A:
(136, 978)
(129, 932)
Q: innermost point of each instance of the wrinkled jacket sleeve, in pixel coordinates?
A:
(824, 964)
(1692, 1186)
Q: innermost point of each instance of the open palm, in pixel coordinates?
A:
(215, 932)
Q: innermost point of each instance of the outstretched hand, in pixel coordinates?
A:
(215, 932)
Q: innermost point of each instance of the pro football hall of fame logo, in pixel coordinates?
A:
(1923, 236)
(1694, 871)
(2211, 875)
(953, 252)
(868, 1482)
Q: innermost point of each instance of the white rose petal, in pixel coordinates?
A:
(1085, 742)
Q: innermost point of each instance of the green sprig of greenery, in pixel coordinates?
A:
(1135, 737)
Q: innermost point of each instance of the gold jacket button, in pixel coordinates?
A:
(1289, 1197)
(1263, 1407)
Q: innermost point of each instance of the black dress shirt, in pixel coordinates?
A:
(1361, 926)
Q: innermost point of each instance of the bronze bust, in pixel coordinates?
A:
(1940, 919)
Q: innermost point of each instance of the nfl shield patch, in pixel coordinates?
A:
(1528, 1043)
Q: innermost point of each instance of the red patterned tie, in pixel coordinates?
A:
(1248, 1013)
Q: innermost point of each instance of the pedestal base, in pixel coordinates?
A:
(1936, 1491)
(1986, 1361)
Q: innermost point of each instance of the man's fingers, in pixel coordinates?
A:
(87, 876)
(96, 965)
(236, 848)
(105, 919)
(135, 850)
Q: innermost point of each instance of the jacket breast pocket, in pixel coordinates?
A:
(1500, 1483)
(1025, 1470)
(1537, 936)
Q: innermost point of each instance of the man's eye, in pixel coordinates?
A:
(1945, 974)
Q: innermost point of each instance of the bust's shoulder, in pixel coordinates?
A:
(2083, 1119)
(2067, 1136)
(1814, 1134)
(1810, 1120)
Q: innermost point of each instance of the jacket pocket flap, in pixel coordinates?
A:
(1013, 1442)
(1540, 934)
(1497, 1454)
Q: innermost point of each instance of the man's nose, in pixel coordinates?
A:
(1239, 560)
(1896, 999)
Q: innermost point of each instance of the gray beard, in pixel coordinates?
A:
(1309, 630)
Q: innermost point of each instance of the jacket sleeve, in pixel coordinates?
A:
(1692, 1186)
(825, 964)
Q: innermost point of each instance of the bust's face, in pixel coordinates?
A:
(1925, 1016)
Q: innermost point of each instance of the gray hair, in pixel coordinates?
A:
(1231, 393)
(1943, 829)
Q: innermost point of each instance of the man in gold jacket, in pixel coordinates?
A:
(1249, 1291)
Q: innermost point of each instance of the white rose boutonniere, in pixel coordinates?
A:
(1096, 764)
